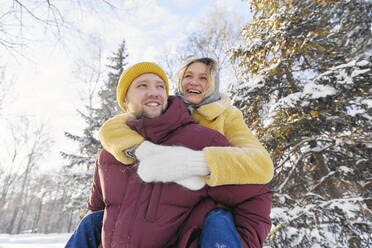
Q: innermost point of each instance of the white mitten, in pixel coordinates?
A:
(172, 163)
(146, 149)
(192, 183)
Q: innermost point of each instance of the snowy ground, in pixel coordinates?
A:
(55, 240)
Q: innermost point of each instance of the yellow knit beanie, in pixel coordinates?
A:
(132, 73)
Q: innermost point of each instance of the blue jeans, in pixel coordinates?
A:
(218, 231)
(88, 233)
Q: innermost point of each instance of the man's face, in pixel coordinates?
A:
(146, 96)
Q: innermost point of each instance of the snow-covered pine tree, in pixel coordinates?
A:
(308, 97)
(80, 164)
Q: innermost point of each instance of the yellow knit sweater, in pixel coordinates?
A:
(245, 162)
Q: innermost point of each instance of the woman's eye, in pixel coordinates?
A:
(141, 85)
(203, 78)
(187, 76)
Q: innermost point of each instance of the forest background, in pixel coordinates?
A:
(300, 71)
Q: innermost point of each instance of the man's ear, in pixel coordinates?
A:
(125, 104)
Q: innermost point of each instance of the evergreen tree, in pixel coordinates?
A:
(80, 164)
(308, 97)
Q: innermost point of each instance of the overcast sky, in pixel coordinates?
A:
(45, 86)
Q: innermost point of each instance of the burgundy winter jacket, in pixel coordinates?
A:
(139, 214)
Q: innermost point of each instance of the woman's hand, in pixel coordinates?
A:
(177, 164)
(192, 183)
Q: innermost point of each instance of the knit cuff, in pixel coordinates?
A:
(129, 152)
(197, 164)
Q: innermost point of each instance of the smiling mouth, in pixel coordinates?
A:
(191, 91)
(152, 104)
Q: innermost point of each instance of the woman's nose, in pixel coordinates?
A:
(193, 81)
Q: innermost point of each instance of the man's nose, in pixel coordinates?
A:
(154, 91)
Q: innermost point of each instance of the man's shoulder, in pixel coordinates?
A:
(216, 138)
(200, 136)
(202, 130)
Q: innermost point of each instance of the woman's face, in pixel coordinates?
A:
(195, 82)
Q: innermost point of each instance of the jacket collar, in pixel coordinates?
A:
(212, 110)
(157, 129)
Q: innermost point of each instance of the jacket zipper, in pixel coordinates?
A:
(153, 203)
(122, 198)
(148, 203)
(134, 218)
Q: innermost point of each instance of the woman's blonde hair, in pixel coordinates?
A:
(211, 72)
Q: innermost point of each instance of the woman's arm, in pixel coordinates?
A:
(116, 137)
(246, 162)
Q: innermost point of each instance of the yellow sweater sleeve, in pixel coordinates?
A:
(245, 162)
(116, 136)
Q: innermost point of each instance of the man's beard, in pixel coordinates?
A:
(142, 113)
(138, 110)
(147, 115)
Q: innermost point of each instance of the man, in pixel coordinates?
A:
(138, 214)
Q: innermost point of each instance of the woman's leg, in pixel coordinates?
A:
(88, 233)
(219, 230)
